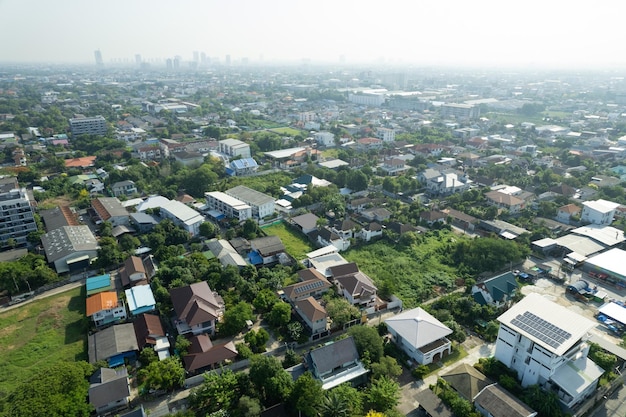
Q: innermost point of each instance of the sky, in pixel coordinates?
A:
(484, 33)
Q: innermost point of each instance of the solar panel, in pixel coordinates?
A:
(545, 331)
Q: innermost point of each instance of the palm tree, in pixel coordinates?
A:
(334, 406)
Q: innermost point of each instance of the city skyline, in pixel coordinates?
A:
(483, 33)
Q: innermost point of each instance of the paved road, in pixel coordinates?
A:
(46, 294)
(613, 406)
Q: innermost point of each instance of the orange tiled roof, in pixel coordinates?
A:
(101, 301)
(85, 161)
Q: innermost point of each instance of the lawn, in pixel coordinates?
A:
(295, 242)
(41, 333)
(414, 273)
(286, 131)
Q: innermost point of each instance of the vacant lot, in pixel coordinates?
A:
(295, 242)
(286, 131)
(415, 272)
(41, 333)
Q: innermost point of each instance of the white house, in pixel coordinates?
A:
(324, 138)
(313, 314)
(234, 147)
(262, 205)
(420, 335)
(546, 344)
(598, 212)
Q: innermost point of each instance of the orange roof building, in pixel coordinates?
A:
(84, 162)
(101, 301)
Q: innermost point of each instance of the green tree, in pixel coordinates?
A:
(340, 311)
(346, 393)
(368, 342)
(234, 319)
(546, 403)
(248, 407)
(208, 229)
(306, 395)
(334, 405)
(147, 356)
(257, 340)
(182, 345)
(383, 394)
(217, 392)
(291, 359)
(167, 374)
(269, 379)
(58, 390)
(265, 300)
(280, 315)
(386, 366)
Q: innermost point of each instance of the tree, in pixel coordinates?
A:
(182, 345)
(58, 390)
(368, 342)
(306, 395)
(269, 379)
(250, 229)
(280, 315)
(386, 366)
(341, 311)
(295, 330)
(217, 392)
(147, 356)
(248, 407)
(350, 395)
(234, 319)
(546, 403)
(257, 340)
(163, 375)
(291, 359)
(383, 394)
(334, 405)
(265, 300)
(208, 229)
(357, 180)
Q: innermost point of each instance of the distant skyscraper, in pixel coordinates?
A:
(168, 63)
(227, 59)
(98, 55)
(138, 59)
(203, 58)
(196, 56)
(177, 60)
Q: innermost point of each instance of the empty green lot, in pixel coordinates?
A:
(41, 333)
(295, 242)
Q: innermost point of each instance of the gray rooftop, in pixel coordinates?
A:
(250, 196)
(66, 240)
(112, 341)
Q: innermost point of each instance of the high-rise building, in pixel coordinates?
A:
(138, 59)
(16, 214)
(227, 59)
(98, 55)
(196, 56)
(88, 126)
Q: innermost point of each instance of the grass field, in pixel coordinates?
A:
(41, 333)
(414, 273)
(286, 131)
(295, 242)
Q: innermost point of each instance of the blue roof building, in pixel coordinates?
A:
(140, 299)
(243, 166)
(98, 284)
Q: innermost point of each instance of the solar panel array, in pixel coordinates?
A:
(546, 332)
(310, 286)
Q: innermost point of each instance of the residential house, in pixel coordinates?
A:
(336, 363)
(497, 291)
(110, 209)
(444, 182)
(267, 250)
(114, 344)
(495, 401)
(197, 308)
(124, 188)
(598, 212)
(353, 284)
(225, 253)
(369, 232)
(509, 202)
(377, 214)
(345, 228)
(140, 299)
(546, 344)
(359, 204)
(109, 390)
(94, 186)
(203, 355)
(461, 220)
(104, 308)
(59, 217)
(100, 283)
(394, 166)
(150, 334)
(133, 272)
(188, 158)
(326, 237)
(143, 223)
(149, 153)
(467, 381)
(324, 138)
(565, 213)
(183, 216)
(234, 148)
(70, 248)
(312, 284)
(433, 216)
(313, 314)
(421, 336)
(431, 406)
(366, 144)
(242, 167)
(306, 222)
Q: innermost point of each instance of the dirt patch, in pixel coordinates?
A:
(59, 201)
(7, 330)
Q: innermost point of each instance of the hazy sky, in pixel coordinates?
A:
(499, 33)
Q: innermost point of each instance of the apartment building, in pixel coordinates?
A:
(88, 126)
(262, 205)
(460, 111)
(227, 206)
(234, 147)
(16, 214)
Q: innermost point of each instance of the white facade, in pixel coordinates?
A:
(227, 205)
(386, 134)
(545, 342)
(16, 217)
(234, 147)
(372, 100)
(598, 212)
(88, 126)
(262, 205)
(183, 216)
(325, 138)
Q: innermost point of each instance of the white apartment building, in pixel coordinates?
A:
(234, 147)
(227, 205)
(545, 343)
(460, 111)
(367, 99)
(262, 205)
(598, 212)
(16, 213)
(324, 138)
(307, 116)
(183, 216)
(386, 134)
(88, 126)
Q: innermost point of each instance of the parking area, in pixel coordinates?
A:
(556, 291)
